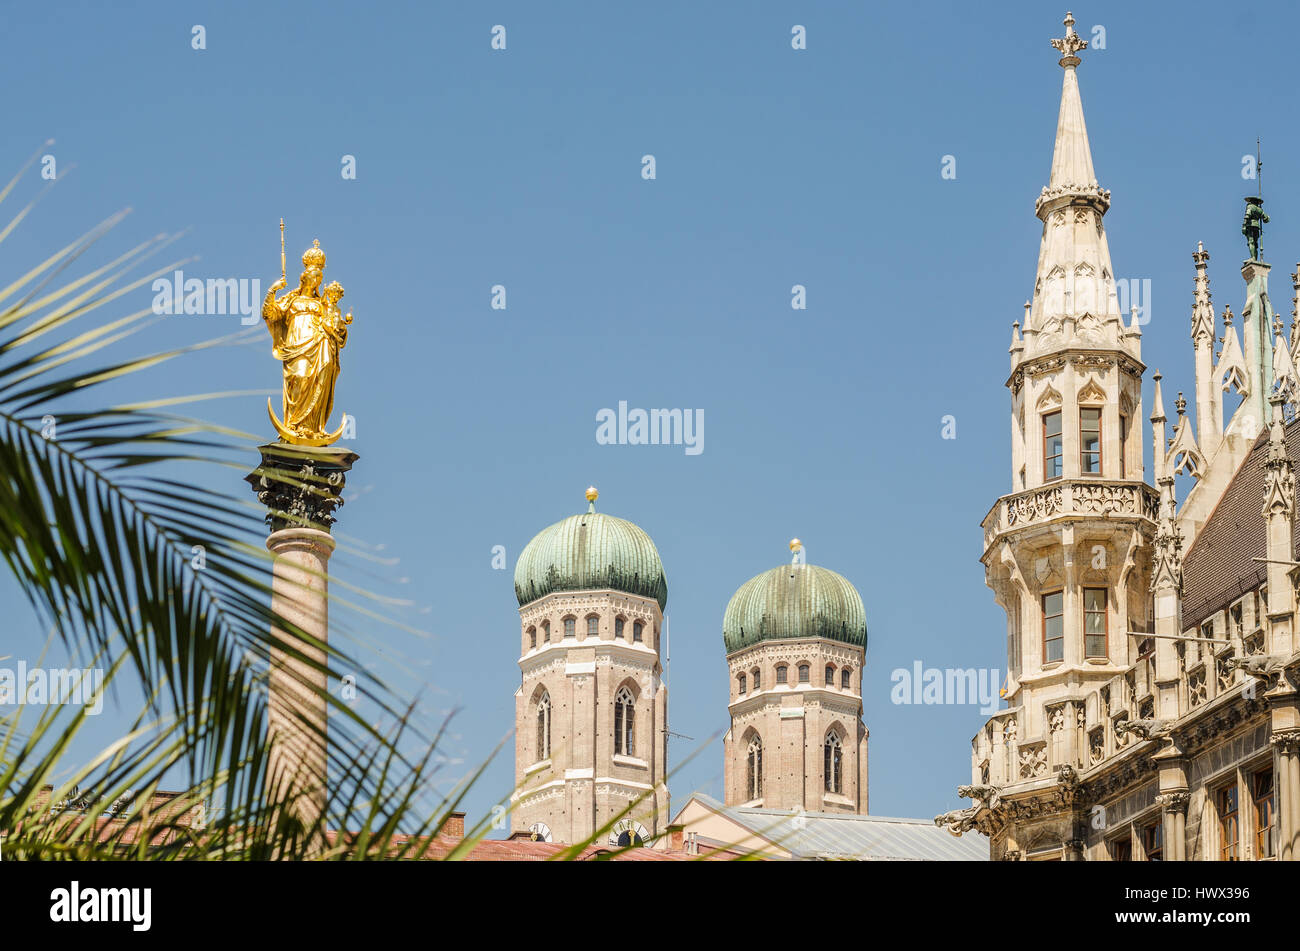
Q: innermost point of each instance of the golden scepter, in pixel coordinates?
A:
(283, 274)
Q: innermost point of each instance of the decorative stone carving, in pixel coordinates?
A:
(1287, 741)
(1174, 802)
(1034, 506)
(1096, 746)
(1056, 719)
(301, 486)
(1033, 761)
(1144, 729)
(1262, 667)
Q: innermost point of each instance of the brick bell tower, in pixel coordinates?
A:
(591, 710)
(796, 639)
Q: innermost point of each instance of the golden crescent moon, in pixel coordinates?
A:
(290, 436)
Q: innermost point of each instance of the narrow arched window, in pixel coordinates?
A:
(758, 679)
(834, 764)
(845, 680)
(637, 628)
(781, 673)
(754, 769)
(532, 637)
(546, 632)
(618, 628)
(544, 727)
(830, 676)
(624, 722)
(570, 625)
(740, 683)
(803, 673)
(593, 626)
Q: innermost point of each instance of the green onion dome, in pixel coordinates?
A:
(794, 601)
(590, 551)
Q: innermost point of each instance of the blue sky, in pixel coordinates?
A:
(821, 167)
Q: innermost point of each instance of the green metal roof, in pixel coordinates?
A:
(589, 551)
(794, 601)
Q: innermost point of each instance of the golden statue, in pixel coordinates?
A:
(307, 333)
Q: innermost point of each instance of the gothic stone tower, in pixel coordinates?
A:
(796, 640)
(591, 713)
(1067, 553)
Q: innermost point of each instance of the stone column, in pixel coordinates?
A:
(301, 486)
(1286, 792)
(1174, 806)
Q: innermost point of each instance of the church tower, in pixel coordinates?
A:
(796, 640)
(591, 712)
(1068, 551)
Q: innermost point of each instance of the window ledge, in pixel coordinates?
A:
(1100, 661)
(621, 760)
(1052, 665)
(837, 799)
(540, 765)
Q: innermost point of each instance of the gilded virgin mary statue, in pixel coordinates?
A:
(307, 333)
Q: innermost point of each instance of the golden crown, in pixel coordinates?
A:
(314, 256)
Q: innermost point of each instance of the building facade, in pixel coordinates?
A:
(1152, 704)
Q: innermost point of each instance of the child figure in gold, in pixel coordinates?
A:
(307, 334)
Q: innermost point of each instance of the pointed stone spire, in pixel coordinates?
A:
(1074, 294)
(1184, 455)
(1231, 368)
(1209, 399)
(1279, 517)
(1071, 159)
(1159, 443)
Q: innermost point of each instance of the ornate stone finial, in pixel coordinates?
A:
(1180, 404)
(1200, 255)
(1277, 324)
(592, 496)
(1070, 44)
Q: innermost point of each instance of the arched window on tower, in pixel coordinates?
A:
(781, 673)
(758, 678)
(754, 769)
(570, 625)
(846, 678)
(532, 637)
(544, 727)
(546, 632)
(834, 763)
(593, 626)
(618, 628)
(804, 671)
(637, 629)
(740, 684)
(624, 722)
(830, 675)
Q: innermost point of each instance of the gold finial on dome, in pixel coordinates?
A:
(795, 544)
(592, 494)
(314, 256)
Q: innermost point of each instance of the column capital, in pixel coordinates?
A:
(301, 486)
(1174, 802)
(1286, 741)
